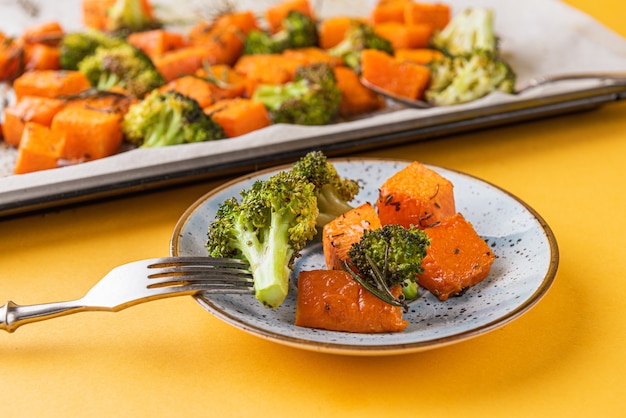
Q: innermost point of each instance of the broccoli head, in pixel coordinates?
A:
(168, 118)
(121, 66)
(76, 46)
(298, 31)
(313, 98)
(464, 78)
(268, 228)
(333, 191)
(127, 16)
(469, 31)
(389, 256)
(359, 36)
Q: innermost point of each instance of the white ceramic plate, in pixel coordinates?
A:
(526, 263)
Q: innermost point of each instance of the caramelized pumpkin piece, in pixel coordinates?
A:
(404, 79)
(437, 15)
(40, 149)
(92, 127)
(339, 234)
(416, 195)
(239, 116)
(50, 83)
(28, 109)
(199, 89)
(405, 36)
(456, 259)
(356, 99)
(155, 43)
(330, 299)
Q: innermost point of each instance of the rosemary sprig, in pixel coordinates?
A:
(212, 78)
(380, 289)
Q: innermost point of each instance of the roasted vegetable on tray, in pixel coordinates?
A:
(244, 71)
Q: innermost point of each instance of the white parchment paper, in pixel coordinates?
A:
(536, 37)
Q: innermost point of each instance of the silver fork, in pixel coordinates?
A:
(141, 281)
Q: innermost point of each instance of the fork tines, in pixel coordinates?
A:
(205, 273)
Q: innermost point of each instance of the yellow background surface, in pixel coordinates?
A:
(564, 358)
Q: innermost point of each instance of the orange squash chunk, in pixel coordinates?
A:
(266, 69)
(456, 259)
(41, 57)
(312, 55)
(389, 11)
(191, 86)
(239, 116)
(417, 55)
(244, 21)
(405, 36)
(28, 109)
(339, 234)
(332, 300)
(333, 29)
(95, 13)
(40, 149)
(92, 127)
(416, 195)
(50, 83)
(356, 99)
(182, 61)
(403, 79)
(224, 43)
(436, 15)
(155, 43)
(10, 57)
(49, 33)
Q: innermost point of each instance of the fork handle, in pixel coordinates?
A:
(13, 315)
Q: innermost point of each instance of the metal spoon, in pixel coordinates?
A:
(532, 83)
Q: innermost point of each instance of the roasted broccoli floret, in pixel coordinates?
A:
(359, 36)
(333, 192)
(298, 31)
(469, 31)
(76, 46)
(268, 229)
(386, 257)
(168, 118)
(121, 66)
(464, 78)
(127, 16)
(313, 98)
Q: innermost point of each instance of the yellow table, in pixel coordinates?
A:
(563, 358)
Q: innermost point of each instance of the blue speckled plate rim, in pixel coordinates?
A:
(381, 349)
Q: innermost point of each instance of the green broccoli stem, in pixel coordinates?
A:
(330, 204)
(165, 132)
(269, 260)
(268, 256)
(108, 80)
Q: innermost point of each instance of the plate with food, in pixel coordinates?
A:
(519, 268)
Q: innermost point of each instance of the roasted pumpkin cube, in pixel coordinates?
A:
(456, 259)
(339, 234)
(332, 300)
(416, 195)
